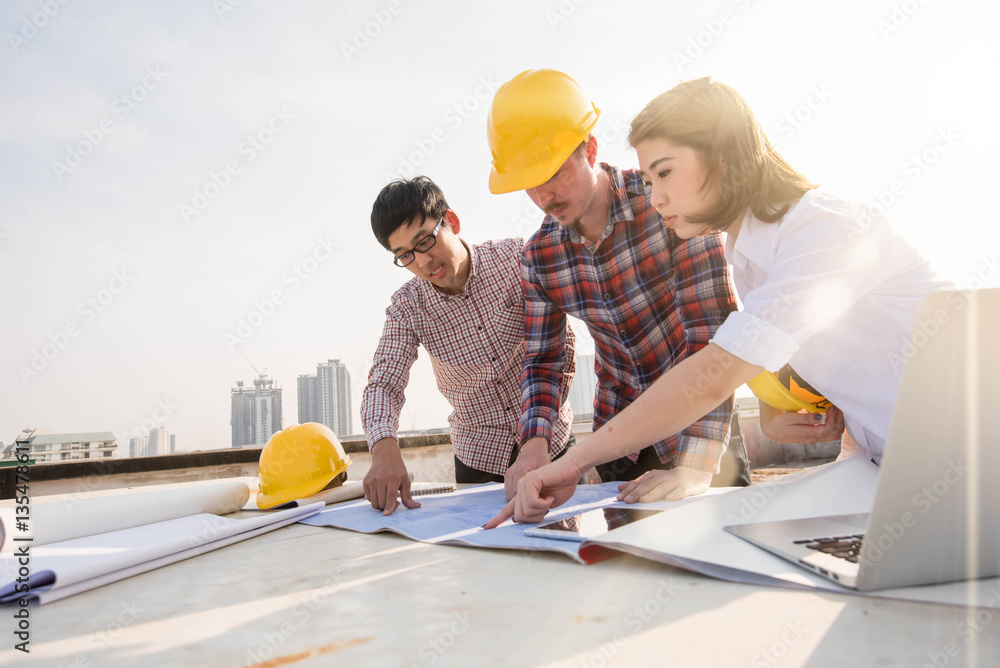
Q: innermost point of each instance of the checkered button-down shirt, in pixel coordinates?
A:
(649, 298)
(476, 344)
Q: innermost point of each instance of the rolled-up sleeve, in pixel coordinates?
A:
(819, 265)
(755, 341)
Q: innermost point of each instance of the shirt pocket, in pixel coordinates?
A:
(508, 320)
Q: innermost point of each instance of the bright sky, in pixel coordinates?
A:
(169, 169)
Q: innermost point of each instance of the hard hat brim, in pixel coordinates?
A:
(298, 491)
(264, 501)
(290, 494)
(524, 179)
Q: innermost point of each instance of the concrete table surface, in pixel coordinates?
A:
(312, 596)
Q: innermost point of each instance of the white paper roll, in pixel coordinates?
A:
(74, 517)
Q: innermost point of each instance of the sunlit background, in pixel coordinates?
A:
(128, 168)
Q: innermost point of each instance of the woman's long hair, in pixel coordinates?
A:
(714, 120)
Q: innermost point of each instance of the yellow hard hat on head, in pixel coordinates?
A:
(298, 461)
(786, 391)
(537, 120)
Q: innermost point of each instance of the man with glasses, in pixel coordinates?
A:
(465, 305)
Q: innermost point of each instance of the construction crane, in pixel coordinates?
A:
(259, 373)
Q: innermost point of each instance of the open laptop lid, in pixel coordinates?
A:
(936, 515)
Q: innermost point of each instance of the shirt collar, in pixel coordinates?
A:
(474, 264)
(747, 246)
(622, 193)
(620, 211)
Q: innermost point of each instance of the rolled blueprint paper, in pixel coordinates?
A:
(75, 517)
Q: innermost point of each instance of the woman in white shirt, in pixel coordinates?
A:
(827, 286)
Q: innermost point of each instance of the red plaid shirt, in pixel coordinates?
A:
(649, 299)
(476, 344)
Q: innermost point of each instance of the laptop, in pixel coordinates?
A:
(936, 513)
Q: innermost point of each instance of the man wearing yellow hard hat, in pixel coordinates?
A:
(465, 306)
(649, 298)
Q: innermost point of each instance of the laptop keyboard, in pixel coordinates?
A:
(842, 547)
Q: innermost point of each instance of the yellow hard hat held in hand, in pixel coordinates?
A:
(537, 120)
(786, 391)
(298, 461)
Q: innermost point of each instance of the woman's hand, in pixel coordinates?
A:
(788, 427)
(539, 490)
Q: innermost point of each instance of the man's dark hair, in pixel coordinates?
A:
(403, 202)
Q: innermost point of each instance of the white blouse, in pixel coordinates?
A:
(833, 289)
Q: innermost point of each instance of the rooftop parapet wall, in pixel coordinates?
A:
(87, 475)
(427, 456)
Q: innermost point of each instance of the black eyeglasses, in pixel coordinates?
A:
(422, 246)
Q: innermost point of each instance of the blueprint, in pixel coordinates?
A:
(457, 518)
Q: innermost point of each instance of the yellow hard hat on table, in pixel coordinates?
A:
(298, 461)
(786, 391)
(537, 120)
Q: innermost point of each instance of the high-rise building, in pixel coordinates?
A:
(137, 446)
(308, 407)
(326, 397)
(173, 443)
(159, 442)
(581, 393)
(256, 413)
